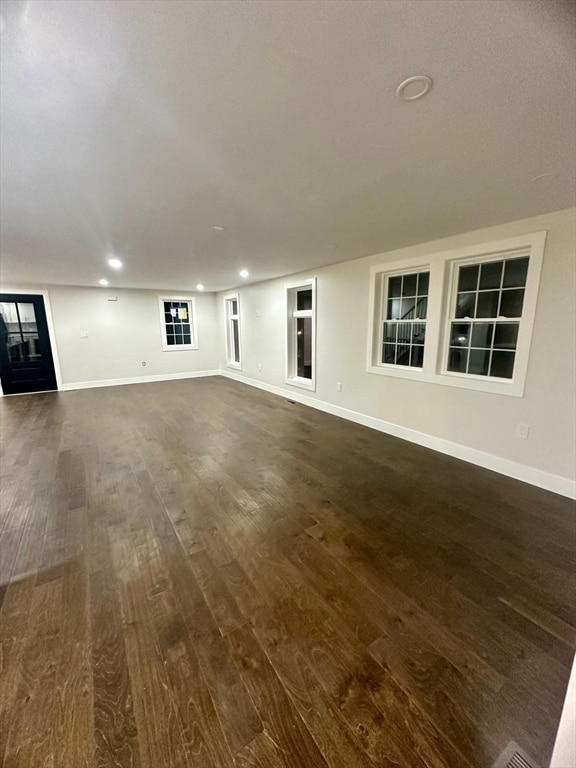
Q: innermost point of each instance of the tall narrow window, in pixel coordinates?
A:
(178, 323)
(485, 315)
(232, 309)
(301, 330)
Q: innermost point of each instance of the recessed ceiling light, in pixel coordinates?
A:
(199, 287)
(115, 263)
(103, 282)
(244, 273)
(218, 228)
(414, 88)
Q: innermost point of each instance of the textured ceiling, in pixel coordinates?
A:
(133, 127)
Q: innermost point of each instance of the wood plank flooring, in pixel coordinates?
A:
(197, 573)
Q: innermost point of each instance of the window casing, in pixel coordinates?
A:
(178, 323)
(301, 334)
(232, 315)
(481, 306)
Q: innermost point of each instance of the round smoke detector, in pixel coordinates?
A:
(414, 88)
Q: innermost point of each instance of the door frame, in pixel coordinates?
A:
(51, 332)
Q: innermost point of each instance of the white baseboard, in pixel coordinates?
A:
(137, 380)
(546, 480)
(537, 477)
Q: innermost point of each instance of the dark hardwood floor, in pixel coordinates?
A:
(197, 573)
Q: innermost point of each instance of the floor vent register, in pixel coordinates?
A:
(515, 757)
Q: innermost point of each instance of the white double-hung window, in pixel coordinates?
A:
(178, 323)
(404, 310)
(301, 334)
(485, 313)
(462, 318)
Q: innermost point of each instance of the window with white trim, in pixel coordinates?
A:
(178, 323)
(485, 315)
(232, 312)
(301, 334)
(471, 328)
(403, 311)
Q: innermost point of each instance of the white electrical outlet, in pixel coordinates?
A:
(259, 366)
(522, 431)
(258, 313)
(84, 334)
(339, 386)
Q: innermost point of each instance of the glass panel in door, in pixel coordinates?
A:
(20, 331)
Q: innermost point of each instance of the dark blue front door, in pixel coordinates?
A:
(26, 363)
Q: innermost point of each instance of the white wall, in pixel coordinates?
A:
(483, 422)
(123, 334)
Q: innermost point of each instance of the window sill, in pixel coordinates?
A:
(179, 347)
(417, 374)
(302, 383)
(477, 383)
(482, 383)
(235, 366)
